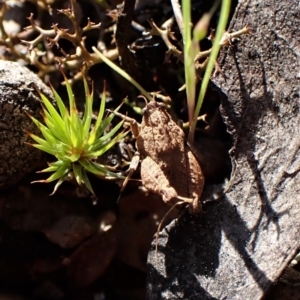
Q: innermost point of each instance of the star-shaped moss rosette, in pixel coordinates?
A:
(74, 140)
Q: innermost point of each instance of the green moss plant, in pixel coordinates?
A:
(75, 141)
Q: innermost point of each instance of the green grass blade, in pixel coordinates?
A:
(106, 146)
(49, 136)
(97, 169)
(96, 133)
(105, 138)
(88, 165)
(72, 104)
(46, 149)
(77, 169)
(189, 55)
(225, 10)
(122, 73)
(40, 140)
(44, 130)
(111, 133)
(87, 183)
(53, 167)
(102, 108)
(56, 131)
(49, 169)
(59, 182)
(60, 103)
(60, 173)
(52, 111)
(76, 130)
(87, 118)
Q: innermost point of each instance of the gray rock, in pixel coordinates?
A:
(243, 242)
(17, 96)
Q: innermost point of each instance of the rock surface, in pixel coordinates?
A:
(17, 96)
(244, 241)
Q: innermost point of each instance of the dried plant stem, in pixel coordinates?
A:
(122, 73)
(178, 15)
